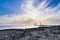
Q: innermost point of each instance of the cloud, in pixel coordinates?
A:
(31, 14)
(54, 20)
(15, 19)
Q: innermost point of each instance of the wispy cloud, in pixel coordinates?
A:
(32, 11)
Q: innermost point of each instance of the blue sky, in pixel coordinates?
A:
(53, 3)
(25, 11)
(8, 7)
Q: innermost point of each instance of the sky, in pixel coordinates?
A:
(28, 12)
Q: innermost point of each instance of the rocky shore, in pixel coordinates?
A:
(40, 33)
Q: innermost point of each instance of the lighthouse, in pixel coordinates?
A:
(38, 24)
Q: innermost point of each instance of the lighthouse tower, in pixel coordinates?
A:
(40, 24)
(35, 24)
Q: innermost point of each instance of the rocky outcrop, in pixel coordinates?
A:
(41, 33)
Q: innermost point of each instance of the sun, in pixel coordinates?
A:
(34, 13)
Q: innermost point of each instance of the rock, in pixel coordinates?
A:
(40, 33)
